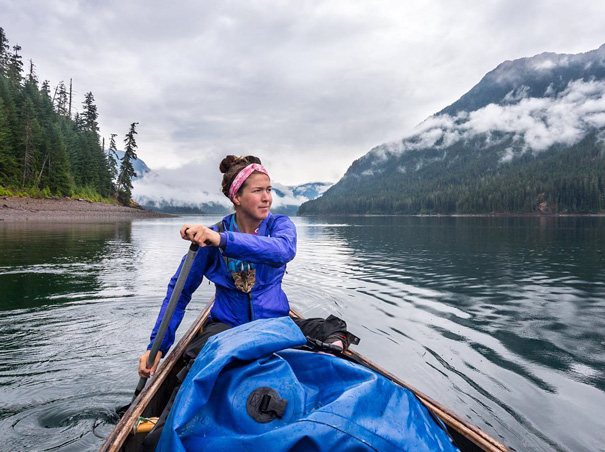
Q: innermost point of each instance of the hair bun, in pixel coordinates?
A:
(232, 160)
(227, 162)
(251, 159)
(231, 165)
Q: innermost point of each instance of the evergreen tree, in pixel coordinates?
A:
(31, 77)
(29, 144)
(112, 161)
(45, 88)
(89, 114)
(15, 65)
(59, 179)
(8, 163)
(127, 172)
(60, 99)
(55, 172)
(41, 147)
(93, 168)
(4, 52)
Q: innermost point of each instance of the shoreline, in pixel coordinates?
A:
(464, 215)
(17, 208)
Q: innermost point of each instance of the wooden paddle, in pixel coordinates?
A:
(159, 338)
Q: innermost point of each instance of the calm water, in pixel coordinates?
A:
(502, 320)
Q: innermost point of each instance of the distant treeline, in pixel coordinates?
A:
(567, 180)
(45, 150)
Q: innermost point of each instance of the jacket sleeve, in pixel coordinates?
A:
(193, 281)
(276, 250)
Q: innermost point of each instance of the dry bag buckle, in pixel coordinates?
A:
(264, 405)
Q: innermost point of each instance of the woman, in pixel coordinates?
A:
(245, 256)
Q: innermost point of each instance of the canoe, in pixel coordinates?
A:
(152, 400)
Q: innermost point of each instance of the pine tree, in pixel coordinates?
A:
(45, 88)
(41, 147)
(89, 114)
(59, 178)
(55, 172)
(8, 163)
(60, 99)
(31, 77)
(4, 55)
(94, 172)
(32, 155)
(112, 161)
(127, 172)
(15, 65)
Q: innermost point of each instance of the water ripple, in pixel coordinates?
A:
(502, 320)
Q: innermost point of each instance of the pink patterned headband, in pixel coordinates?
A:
(242, 176)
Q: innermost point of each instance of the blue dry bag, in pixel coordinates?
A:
(248, 390)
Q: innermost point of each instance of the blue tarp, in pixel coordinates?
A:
(332, 404)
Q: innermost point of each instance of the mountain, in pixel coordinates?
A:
(529, 137)
(287, 199)
(153, 192)
(310, 190)
(182, 208)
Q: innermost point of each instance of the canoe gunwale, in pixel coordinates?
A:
(115, 441)
(472, 433)
(124, 427)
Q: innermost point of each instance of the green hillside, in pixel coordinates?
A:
(569, 180)
(45, 149)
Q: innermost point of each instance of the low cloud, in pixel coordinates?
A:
(536, 123)
(196, 183)
(308, 85)
(199, 183)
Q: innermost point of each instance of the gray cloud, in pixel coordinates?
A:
(536, 123)
(308, 86)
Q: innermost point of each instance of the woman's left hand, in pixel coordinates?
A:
(201, 235)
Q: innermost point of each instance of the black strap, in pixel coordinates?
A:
(219, 227)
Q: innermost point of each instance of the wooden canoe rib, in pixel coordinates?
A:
(151, 401)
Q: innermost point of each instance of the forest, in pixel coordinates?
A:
(47, 148)
(562, 180)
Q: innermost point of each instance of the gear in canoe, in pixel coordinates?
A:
(250, 389)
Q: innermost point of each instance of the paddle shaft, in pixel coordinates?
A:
(174, 298)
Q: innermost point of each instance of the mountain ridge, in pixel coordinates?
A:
(286, 199)
(545, 112)
(534, 69)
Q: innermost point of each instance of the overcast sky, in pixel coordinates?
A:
(308, 86)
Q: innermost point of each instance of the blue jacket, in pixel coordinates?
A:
(270, 250)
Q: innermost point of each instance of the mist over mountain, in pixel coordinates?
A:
(198, 192)
(287, 199)
(527, 138)
(139, 165)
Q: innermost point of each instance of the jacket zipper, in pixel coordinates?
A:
(250, 310)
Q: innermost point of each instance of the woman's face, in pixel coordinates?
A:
(254, 199)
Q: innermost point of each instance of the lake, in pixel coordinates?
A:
(502, 320)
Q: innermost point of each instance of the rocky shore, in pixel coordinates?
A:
(64, 209)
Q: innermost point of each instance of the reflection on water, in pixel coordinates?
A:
(502, 316)
(42, 261)
(500, 319)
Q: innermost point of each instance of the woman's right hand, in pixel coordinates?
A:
(201, 235)
(144, 371)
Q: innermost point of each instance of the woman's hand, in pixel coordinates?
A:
(144, 371)
(201, 235)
